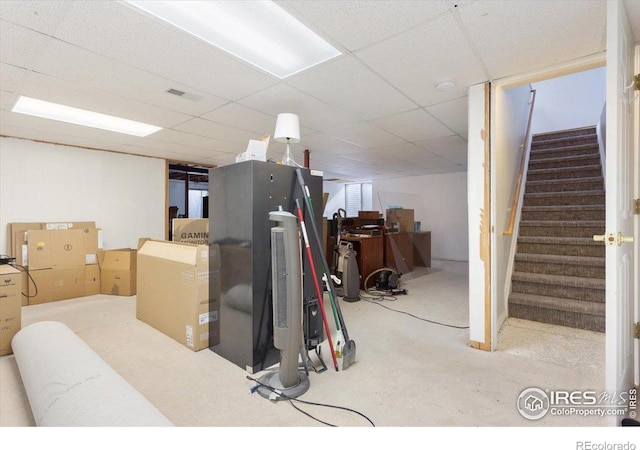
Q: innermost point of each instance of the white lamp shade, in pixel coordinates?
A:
(287, 128)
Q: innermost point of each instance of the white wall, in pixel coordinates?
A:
(570, 101)
(479, 217)
(439, 203)
(123, 194)
(510, 117)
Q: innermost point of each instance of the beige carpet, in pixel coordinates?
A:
(409, 372)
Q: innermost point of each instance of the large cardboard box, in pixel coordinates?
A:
(192, 231)
(404, 219)
(174, 295)
(55, 249)
(118, 271)
(16, 234)
(91, 279)
(50, 285)
(10, 306)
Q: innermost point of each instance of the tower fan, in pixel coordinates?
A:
(286, 276)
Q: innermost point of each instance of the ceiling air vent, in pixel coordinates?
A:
(179, 93)
(176, 92)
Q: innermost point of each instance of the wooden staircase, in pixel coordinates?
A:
(559, 270)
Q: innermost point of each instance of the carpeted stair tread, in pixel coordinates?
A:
(558, 173)
(559, 240)
(565, 133)
(568, 181)
(557, 152)
(545, 208)
(566, 161)
(562, 198)
(563, 223)
(554, 303)
(559, 280)
(564, 142)
(590, 261)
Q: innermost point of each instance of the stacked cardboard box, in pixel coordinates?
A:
(192, 231)
(61, 258)
(400, 219)
(10, 306)
(174, 295)
(118, 269)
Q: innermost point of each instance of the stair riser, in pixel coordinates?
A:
(570, 185)
(570, 142)
(560, 269)
(564, 134)
(569, 250)
(563, 215)
(563, 318)
(590, 160)
(563, 199)
(551, 290)
(564, 174)
(584, 232)
(540, 154)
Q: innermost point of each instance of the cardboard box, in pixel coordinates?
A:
(51, 285)
(55, 249)
(10, 306)
(91, 244)
(369, 215)
(191, 231)
(402, 217)
(16, 237)
(16, 233)
(91, 279)
(118, 271)
(174, 295)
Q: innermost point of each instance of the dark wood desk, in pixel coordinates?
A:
(398, 251)
(370, 255)
(422, 248)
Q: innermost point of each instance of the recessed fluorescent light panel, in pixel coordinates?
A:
(54, 111)
(258, 32)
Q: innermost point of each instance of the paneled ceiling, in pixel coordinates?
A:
(373, 112)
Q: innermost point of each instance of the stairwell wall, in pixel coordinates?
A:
(510, 113)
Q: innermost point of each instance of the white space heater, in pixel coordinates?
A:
(286, 276)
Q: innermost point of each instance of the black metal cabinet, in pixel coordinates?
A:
(241, 197)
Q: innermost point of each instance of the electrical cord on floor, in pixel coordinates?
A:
(416, 317)
(291, 400)
(24, 269)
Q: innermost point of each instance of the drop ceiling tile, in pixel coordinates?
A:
(19, 46)
(326, 144)
(454, 114)
(11, 77)
(443, 146)
(312, 113)
(239, 116)
(7, 100)
(194, 141)
(346, 83)
(416, 60)
(55, 90)
(41, 16)
(413, 126)
(519, 37)
(103, 73)
(357, 24)
(217, 131)
(122, 33)
(364, 134)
